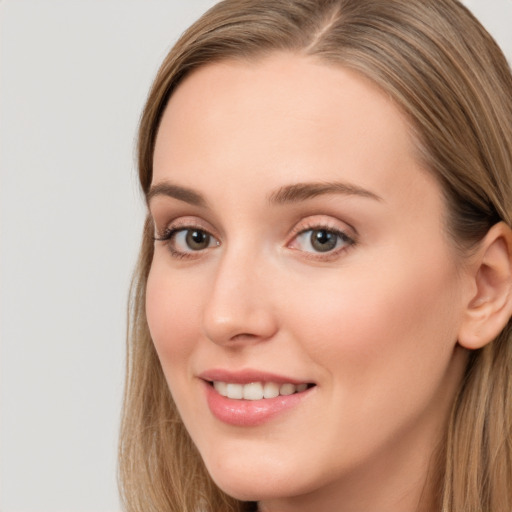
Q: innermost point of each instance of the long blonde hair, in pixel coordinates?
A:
(449, 77)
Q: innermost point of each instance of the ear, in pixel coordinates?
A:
(490, 305)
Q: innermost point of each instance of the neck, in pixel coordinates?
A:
(401, 486)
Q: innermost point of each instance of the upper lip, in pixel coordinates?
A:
(247, 376)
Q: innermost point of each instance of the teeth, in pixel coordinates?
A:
(287, 389)
(235, 391)
(257, 390)
(270, 390)
(253, 391)
(221, 388)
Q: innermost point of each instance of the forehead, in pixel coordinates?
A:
(282, 119)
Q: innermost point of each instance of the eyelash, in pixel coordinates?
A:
(169, 235)
(347, 241)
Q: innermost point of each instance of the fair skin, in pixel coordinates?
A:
(354, 290)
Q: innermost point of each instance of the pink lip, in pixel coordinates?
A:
(247, 376)
(246, 413)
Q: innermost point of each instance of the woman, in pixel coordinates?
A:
(320, 312)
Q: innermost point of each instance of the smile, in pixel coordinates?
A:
(257, 390)
(253, 402)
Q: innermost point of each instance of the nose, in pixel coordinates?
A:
(239, 308)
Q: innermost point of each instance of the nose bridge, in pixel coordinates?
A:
(239, 306)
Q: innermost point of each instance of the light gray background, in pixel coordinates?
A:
(73, 78)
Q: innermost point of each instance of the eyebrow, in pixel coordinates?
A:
(286, 194)
(177, 192)
(302, 191)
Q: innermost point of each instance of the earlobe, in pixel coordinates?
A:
(490, 306)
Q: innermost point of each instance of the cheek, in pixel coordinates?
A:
(172, 310)
(367, 324)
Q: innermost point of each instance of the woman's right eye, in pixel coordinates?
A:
(183, 242)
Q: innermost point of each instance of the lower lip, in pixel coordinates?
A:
(249, 413)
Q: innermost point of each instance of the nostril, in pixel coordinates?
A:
(234, 318)
(244, 336)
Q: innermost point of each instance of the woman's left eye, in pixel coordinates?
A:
(321, 240)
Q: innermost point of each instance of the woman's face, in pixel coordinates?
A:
(301, 249)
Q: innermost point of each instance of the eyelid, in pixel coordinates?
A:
(324, 222)
(171, 229)
(341, 229)
(187, 222)
(350, 236)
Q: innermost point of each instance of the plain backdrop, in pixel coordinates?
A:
(73, 78)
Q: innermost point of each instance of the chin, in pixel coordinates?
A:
(252, 480)
(245, 481)
(252, 488)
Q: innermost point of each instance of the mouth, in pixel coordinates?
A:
(258, 390)
(250, 397)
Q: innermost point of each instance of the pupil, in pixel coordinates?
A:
(323, 240)
(198, 240)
